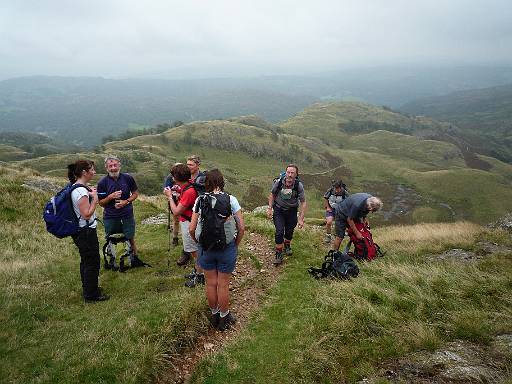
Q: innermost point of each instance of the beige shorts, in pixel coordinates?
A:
(189, 245)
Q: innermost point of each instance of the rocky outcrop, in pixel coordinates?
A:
(504, 223)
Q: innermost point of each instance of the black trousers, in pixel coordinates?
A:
(285, 221)
(87, 242)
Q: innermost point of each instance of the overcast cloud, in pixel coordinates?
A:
(198, 38)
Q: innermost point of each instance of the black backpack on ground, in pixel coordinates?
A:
(336, 265)
(213, 235)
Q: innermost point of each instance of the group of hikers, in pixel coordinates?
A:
(210, 221)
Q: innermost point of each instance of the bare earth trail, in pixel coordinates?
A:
(252, 277)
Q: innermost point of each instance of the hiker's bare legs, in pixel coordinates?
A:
(217, 289)
(337, 243)
(211, 288)
(223, 290)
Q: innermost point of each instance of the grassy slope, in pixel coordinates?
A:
(49, 332)
(11, 153)
(334, 123)
(483, 115)
(377, 162)
(340, 331)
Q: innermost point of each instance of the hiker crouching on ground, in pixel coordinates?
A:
(335, 195)
(183, 210)
(354, 209)
(285, 196)
(117, 192)
(84, 202)
(217, 224)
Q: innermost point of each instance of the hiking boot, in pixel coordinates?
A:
(175, 241)
(279, 258)
(197, 279)
(184, 259)
(288, 249)
(214, 319)
(226, 321)
(94, 299)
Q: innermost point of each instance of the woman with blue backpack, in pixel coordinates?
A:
(84, 200)
(218, 226)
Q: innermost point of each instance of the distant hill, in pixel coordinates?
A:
(419, 179)
(335, 123)
(24, 145)
(484, 117)
(82, 110)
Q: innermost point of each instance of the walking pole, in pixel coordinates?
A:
(169, 231)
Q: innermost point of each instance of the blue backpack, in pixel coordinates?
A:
(59, 215)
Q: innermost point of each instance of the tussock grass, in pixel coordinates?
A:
(432, 237)
(50, 335)
(339, 331)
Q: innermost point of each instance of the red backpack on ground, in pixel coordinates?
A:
(364, 249)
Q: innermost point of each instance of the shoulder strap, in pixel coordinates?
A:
(296, 185)
(280, 183)
(71, 189)
(78, 185)
(190, 185)
(227, 202)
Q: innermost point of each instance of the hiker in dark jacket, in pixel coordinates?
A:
(354, 209)
(283, 203)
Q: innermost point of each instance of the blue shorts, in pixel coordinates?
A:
(124, 226)
(223, 261)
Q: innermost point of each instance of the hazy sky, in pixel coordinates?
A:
(192, 38)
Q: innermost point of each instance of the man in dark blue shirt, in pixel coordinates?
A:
(354, 209)
(116, 193)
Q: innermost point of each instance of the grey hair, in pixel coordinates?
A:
(374, 203)
(111, 157)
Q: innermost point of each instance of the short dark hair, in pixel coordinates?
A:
(180, 172)
(75, 170)
(214, 179)
(338, 184)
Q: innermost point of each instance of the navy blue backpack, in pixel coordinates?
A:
(59, 215)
